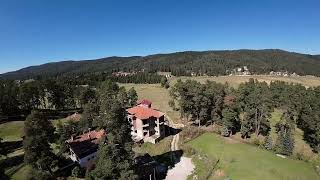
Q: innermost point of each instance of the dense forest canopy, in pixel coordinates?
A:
(181, 63)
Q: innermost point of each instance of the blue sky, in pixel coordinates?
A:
(38, 31)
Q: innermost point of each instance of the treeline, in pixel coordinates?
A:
(211, 63)
(19, 98)
(139, 78)
(248, 109)
(115, 157)
(94, 79)
(61, 93)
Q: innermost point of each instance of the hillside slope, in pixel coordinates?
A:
(182, 63)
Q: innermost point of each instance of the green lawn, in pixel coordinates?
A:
(11, 131)
(158, 95)
(247, 162)
(21, 173)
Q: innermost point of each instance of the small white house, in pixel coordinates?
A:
(84, 148)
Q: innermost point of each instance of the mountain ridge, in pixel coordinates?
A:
(211, 62)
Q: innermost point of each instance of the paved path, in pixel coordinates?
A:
(184, 167)
(181, 170)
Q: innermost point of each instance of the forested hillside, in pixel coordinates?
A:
(181, 63)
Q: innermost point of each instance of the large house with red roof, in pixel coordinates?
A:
(147, 124)
(83, 148)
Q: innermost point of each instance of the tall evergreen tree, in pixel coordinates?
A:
(288, 143)
(254, 98)
(132, 97)
(164, 81)
(268, 144)
(229, 120)
(285, 141)
(115, 157)
(38, 133)
(90, 113)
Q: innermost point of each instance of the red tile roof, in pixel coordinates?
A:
(144, 102)
(144, 113)
(88, 136)
(87, 143)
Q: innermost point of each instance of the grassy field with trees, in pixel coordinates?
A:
(252, 110)
(235, 81)
(245, 161)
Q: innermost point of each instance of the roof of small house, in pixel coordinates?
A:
(144, 102)
(144, 113)
(74, 117)
(87, 143)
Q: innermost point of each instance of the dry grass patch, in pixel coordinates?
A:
(235, 81)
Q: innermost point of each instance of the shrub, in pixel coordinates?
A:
(258, 142)
(268, 143)
(224, 131)
(316, 164)
(189, 150)
(190, 132)
(77, 172)
(166, 85)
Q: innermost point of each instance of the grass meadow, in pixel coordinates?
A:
(248, 162)
(235, 81)
(238, 160)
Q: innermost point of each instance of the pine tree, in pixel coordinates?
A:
(279, 142)
(254, 98)
(288, 144)
(90, 113)
(268, 142)
(115, 157)
(39, 132)
(123, 97)
(171, 103)
(229, 119)
(132, 97)
(285, 142)
(163, 81)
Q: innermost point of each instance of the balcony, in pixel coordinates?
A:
(145, 125)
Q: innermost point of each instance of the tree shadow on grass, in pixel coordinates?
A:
(156, 167)
(171, 131)
(12, 164)
(12, 146)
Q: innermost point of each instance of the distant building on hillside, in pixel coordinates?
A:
(83, 148)
(283, 73)
(147, 124)
(121, 73)
(239, 71)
